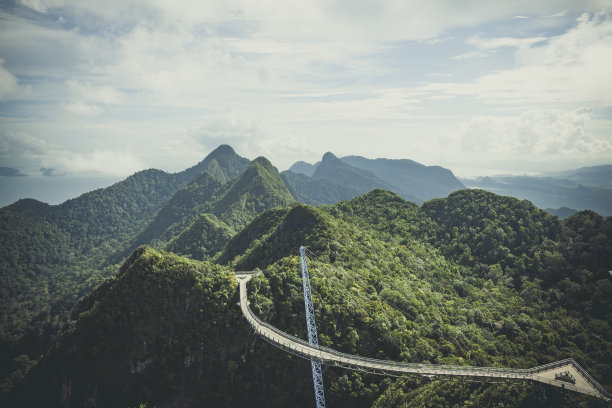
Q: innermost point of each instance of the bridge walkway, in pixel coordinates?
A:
(548, 374)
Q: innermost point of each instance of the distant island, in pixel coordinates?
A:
(10, 172)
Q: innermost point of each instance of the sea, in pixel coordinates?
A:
(51, 190)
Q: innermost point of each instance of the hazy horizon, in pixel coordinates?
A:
(56, 189)
(91, 89)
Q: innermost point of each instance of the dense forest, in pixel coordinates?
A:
(91, 317)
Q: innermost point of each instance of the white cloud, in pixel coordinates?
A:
(81, 108)
(18, 145)
(532, 133)
(571, 67)
(267, 76)
(100, 162)
(103, 94)
(23, 150)
(470, 55)
(42, 6)
(559, 14)
(492, 43)
(240, 130)
(8, 82)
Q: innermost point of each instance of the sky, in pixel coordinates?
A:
(107, 88)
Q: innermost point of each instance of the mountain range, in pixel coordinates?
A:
(124, 296)
(587, 188)
(332, 178)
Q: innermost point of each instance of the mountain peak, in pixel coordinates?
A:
(301, 167)
(223, 163)
(264, 162)
(223, 150)
(329, 156)
(258, 188)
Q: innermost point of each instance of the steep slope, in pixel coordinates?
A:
(222, 163)
(228, 206)
(317, 191)
(52, 254)
(301, 167)
(332, 168)
(203, 239)
(260, 187)
(178, 213)
(276, 234)
(409, 177)
(334, 180)
(166, 330)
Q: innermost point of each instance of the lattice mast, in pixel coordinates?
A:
(313, 338)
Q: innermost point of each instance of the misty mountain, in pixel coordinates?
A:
(596, 176)
(408, 178)
(551, 192)
(301, 167)
(332, 181)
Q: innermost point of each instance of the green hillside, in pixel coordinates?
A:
(219, 208)
(259, 188)
(178, 213)
(388, 282)
(321, 191)
(49, 252)
(222, 163)
(53, 255)
(203, 239)
(471, 279)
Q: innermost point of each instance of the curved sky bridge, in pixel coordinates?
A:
(567, 374)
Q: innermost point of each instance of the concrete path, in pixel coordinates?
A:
(568, 369)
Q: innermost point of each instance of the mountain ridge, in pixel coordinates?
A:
(472, 278)
(387, 282)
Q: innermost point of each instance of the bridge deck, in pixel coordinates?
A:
(584, 383)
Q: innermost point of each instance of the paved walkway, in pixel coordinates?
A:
(548, 374)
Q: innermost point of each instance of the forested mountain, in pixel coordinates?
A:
(470, 279)
(222, 163)
(259, 188)
(390, 280)
(48, 252)
(332, 180)
(203, 239)
(409, 177)
(52, 255)
(231, 205)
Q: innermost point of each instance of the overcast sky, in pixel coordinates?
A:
(93, 87)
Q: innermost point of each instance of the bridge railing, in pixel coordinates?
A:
(390, 365)
(520, 372)
(579, 368)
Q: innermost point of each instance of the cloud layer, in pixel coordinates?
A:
(123, 84)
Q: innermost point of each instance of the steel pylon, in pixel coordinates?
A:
(313, 338)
